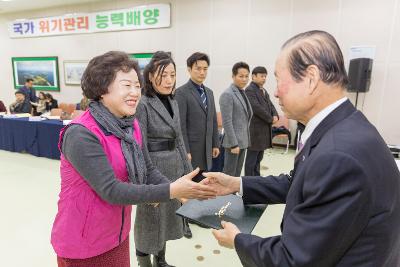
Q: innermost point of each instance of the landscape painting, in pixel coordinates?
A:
(73, 71)
(43, 71)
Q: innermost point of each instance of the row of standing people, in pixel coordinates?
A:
(174, 152)
(181, 133)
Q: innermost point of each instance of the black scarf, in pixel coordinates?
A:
(122, 128)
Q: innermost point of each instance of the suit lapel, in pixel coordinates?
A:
(336, 116)
(240, 97)
(162, 111)
(196, 95)
(257, 91)
(175, 120)
(340, 113)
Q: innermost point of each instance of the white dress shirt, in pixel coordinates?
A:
(310, 127)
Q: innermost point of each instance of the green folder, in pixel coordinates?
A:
(205, 212)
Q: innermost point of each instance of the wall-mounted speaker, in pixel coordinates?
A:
(360, 74)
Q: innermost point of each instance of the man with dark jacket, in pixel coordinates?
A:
(21, 104)
(198, 117)
(264, 115)
(342, 197)
(29, 91)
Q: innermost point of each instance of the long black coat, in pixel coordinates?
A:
(261, 122)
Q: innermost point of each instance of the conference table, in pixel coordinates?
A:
(39, 138)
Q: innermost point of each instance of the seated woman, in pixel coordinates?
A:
(40, 105)
(51, 102)
(104, 170)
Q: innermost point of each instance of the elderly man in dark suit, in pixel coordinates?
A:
(198, 116)
(342, 197)
(264, 115)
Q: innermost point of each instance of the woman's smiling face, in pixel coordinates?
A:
(123, 94)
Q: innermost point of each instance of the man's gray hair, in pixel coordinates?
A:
(317, 48)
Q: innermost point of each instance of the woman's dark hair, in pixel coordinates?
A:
(49, 96)
(317, 48)
(196, 57)
(240, 65)
(156, 67)
(42, 93)
(101, 72)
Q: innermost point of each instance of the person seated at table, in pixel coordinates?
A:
(106, 168)
(21, 104)
(51, 102)
(40, 105)
(2, 107)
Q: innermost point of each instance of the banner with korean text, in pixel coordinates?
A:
(139, 17)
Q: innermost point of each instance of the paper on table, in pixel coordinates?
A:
(36, 118)
(22, 115)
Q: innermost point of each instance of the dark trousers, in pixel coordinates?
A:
(252, 165)
(233, 163)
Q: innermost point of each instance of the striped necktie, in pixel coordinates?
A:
(203, 97)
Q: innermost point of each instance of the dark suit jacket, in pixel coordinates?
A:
(261, 122)
(342, 201)
(24, 107)
(30, 93)
(199, 126)
(236, 115)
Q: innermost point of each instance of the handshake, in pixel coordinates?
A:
(214, 184)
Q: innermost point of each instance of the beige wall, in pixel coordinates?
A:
(229, 31)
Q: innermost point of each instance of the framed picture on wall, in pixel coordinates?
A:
(43, 71)
(73, 71)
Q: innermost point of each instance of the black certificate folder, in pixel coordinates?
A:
(228, 208)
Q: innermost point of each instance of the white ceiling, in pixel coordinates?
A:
(24, 5)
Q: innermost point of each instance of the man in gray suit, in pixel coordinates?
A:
(236, 115)
(198, 116)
